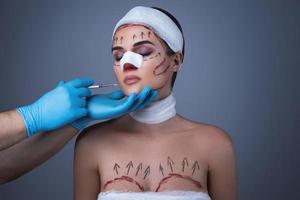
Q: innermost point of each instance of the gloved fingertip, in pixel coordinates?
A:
(60, 83)
(148, 87)
(155, 93)
(87, 82)
(133, 94)
(116, 95)
(91, 81)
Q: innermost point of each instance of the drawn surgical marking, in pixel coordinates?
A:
(155, 73)
(126, 178)
(195, 165)
(184, 163)
(116, 167)
(170, 163)
(158, 54)
(147, 171)
(134, 36)
(171, 175)
(129, 165)
(139, 167)
(161, 169)
(142, 35)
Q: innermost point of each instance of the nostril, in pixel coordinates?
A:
(128, 66)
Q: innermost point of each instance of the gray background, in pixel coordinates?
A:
(240, 73)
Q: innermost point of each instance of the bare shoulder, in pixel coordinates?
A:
(213, 135)
(94, 135)
(216, 136)
(218, 144)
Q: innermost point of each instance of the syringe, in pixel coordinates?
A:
(103, 85)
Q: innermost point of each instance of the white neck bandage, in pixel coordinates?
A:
(162, 24)
(157, 111)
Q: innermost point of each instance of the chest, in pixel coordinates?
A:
(153, 165)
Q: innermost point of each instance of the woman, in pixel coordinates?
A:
(153, 152)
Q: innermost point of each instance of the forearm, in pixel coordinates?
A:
(31, 152)
(12, 129)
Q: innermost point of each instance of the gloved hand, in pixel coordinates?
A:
(58, 107)
(113, 105)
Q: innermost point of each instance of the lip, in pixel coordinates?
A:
(131, 79)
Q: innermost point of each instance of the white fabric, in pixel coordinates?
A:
(165, 195)
(159, 21)
(132, 58)
(157, 111)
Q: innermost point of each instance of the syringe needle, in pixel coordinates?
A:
(103, 85)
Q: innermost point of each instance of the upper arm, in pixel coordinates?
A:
(86, 176)
(222, 182)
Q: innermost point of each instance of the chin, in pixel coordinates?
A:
(137, 87)
(128, 89)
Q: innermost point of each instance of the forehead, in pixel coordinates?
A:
(131, 29)
(127, 32)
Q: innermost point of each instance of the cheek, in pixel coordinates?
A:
(117, 73)
(156, 72)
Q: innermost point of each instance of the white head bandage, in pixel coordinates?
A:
(132, 58)
(157, 20)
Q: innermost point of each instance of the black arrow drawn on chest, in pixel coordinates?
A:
(128, 166)
(195, 165)
(184, 163)
(116, 167)
(170, 163)
(161, 169)
(147, 172)
(139, 167)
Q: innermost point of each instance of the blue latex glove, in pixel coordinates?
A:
(146, 96)
(114, 104)
(58, 107)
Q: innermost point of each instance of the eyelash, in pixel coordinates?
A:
(143, 54)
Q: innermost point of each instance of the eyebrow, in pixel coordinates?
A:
(134, 45)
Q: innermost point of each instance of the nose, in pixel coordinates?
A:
(129, 67)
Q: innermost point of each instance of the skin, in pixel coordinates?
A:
(22, 154)
(12, 129)
(178, 154)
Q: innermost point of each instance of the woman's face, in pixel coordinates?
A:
(157, 68)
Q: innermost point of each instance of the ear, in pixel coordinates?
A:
(176, 61)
